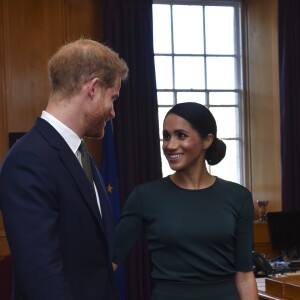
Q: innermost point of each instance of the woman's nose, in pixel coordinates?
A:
(171, 144)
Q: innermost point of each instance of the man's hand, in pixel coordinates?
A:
(114, 266)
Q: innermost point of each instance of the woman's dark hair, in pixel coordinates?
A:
(202, 120)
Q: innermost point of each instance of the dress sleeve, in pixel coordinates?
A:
(129, 227)
(244, 235)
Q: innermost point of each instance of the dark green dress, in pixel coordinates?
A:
(198, 239)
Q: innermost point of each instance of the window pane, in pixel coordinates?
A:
(220, 34)
(165, 98)
(227, 120)
(188, 29)
(220, 73)
(162, 111)
(191, 97)
(229, 168)
(223, 98)
(163, 72)
(189, 72)
(162, 28)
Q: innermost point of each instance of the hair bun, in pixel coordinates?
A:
(216, 152)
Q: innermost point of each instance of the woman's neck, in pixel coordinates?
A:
(193, 181)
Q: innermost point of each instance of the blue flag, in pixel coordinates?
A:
(109, 174)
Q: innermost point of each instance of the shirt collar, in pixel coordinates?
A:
(71, 138)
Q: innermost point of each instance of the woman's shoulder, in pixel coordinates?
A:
(232, 186)
(150, 192)
(153, 185)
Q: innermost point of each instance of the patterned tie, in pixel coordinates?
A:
(86, 162)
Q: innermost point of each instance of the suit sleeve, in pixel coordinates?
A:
(30, 213)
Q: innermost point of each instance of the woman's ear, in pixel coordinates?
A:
(208, 141)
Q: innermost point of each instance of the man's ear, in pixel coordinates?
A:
(93, 84)
(208, 141)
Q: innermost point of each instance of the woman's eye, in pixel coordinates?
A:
(181, 135)
(166, 136)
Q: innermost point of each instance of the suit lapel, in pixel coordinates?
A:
(107, 215)
(83, 183)
(68, 158)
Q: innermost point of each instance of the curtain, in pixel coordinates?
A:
(289, 70)
(128, 30)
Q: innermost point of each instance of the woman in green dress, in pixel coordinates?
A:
(199, 227)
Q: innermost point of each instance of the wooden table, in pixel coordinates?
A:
(282, 287)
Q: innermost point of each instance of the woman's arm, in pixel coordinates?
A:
(128, 229)
(246, 285)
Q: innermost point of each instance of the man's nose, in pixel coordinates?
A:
(112, 113)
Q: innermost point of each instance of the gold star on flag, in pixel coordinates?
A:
(109, 188)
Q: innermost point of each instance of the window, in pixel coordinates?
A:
(197, 52)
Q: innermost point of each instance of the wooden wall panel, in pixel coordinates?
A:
(32, 33)
(4, 247)
(3, 130)
(84, 18)
(263, 102)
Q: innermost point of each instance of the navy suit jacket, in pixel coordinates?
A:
(61, 247)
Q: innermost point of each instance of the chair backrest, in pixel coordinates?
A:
(5, 277)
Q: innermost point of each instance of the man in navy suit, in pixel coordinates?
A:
(59, 224)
